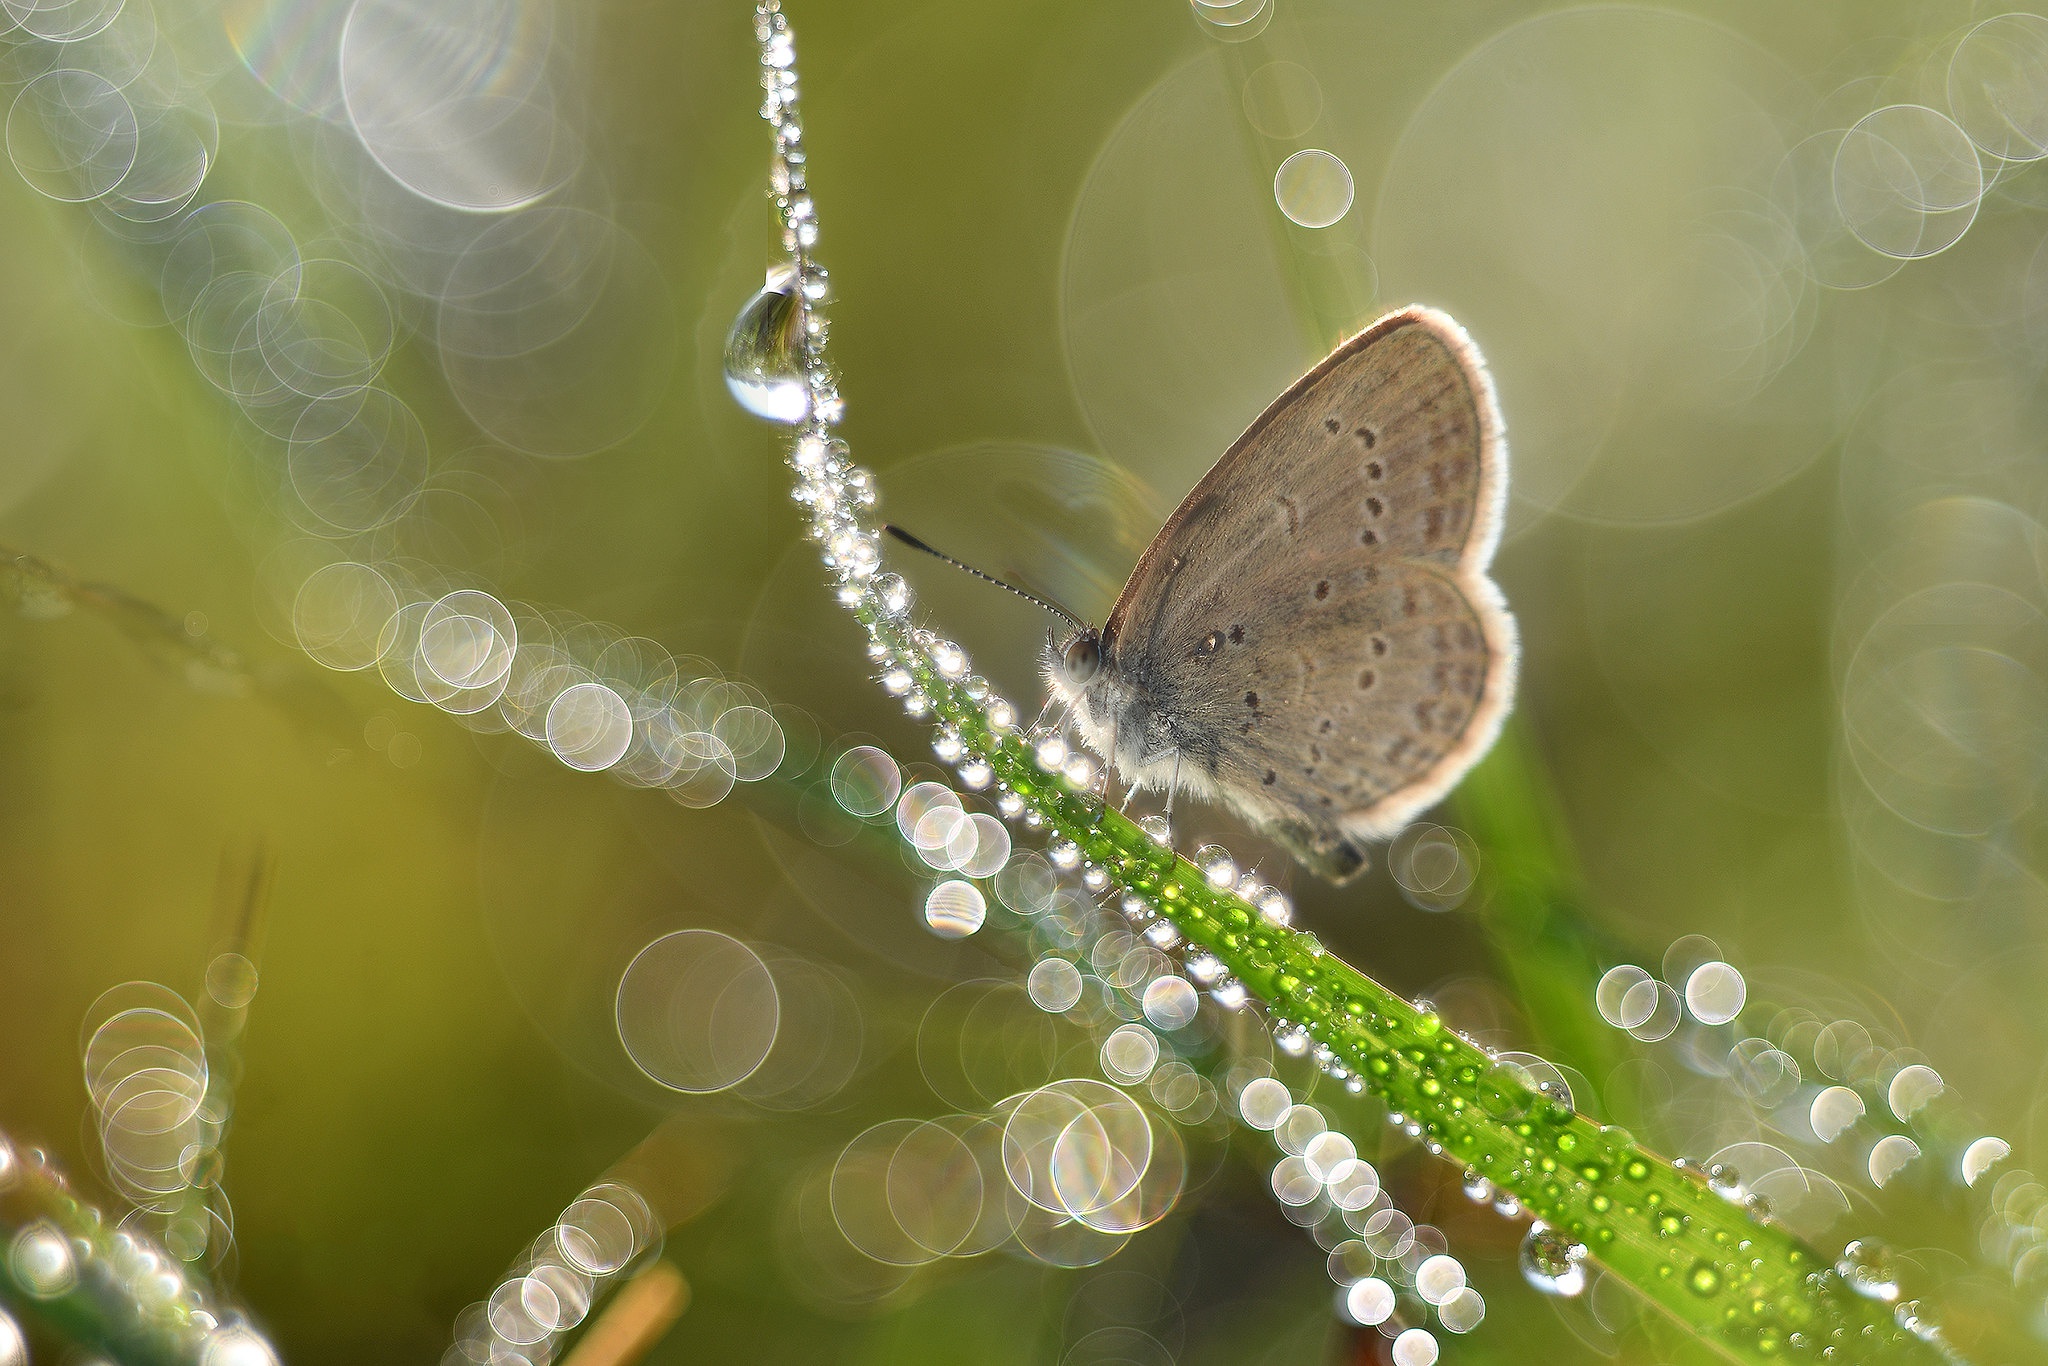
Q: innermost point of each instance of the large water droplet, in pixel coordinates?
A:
(763, 367)
(1868, 1267)
(1553, 1263)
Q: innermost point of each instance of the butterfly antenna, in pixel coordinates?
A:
(915, 544)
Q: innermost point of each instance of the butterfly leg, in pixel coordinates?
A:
(1109, 769)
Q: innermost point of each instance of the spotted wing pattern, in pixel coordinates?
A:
(1314, 622)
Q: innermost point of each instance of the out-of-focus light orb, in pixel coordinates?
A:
(1294, 1185)
(595, 1236)
(1353, 1185)
(697, 1011)
(1129, 1054)
(866, 781)
(42, 1262)
(917, 802)
(572, 1290)
(1998, 86)
(1982, 1156)
(1715, 993)
(1834, 1110)
(944, 838)
(1054, 985)
(754, 738)
(13, 1346)
(1614, 988)
(1434, 865)
(1439, 1278)
(231, 980)
(1657, 1008)
(235, 1346)
(1415, 1347)
(991, 852)
(468, 639)
(1370, 1301)
(1462, 1311)
(955, 909)
(1170, 1002)
(589, 727)
(1298, 1127)
(340, 613)
(1907, 181)
(1282, 99)
(1263, 1102)
(512, 1317)
(1327, 1153)
(1912, 1088)
(1313, 188)
(1889, 1156)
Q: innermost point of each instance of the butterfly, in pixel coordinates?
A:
(1312, 639)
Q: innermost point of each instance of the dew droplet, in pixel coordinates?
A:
(893, 593)
(1216, 865)
(1553, 1263)
(1869, 1269)
(763, 367)
(42, 1263)
(1704, 1279)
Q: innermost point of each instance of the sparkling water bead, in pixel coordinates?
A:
(1216, 865)
(1704, 1279)
(41, 1262)
(893, 594)
(1161, 934)
(763, 362)
(1868, 1267)
(1553, 1263)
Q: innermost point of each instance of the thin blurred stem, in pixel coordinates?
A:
(636, 1320)
(1534, 899)
(39, 588)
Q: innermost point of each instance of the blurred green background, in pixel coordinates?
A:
(1774, 549)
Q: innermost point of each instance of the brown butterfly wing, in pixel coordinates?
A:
(1315, 619)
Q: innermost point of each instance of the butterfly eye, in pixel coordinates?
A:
(1083, 659)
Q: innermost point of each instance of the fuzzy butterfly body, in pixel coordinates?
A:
(1312, 639)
